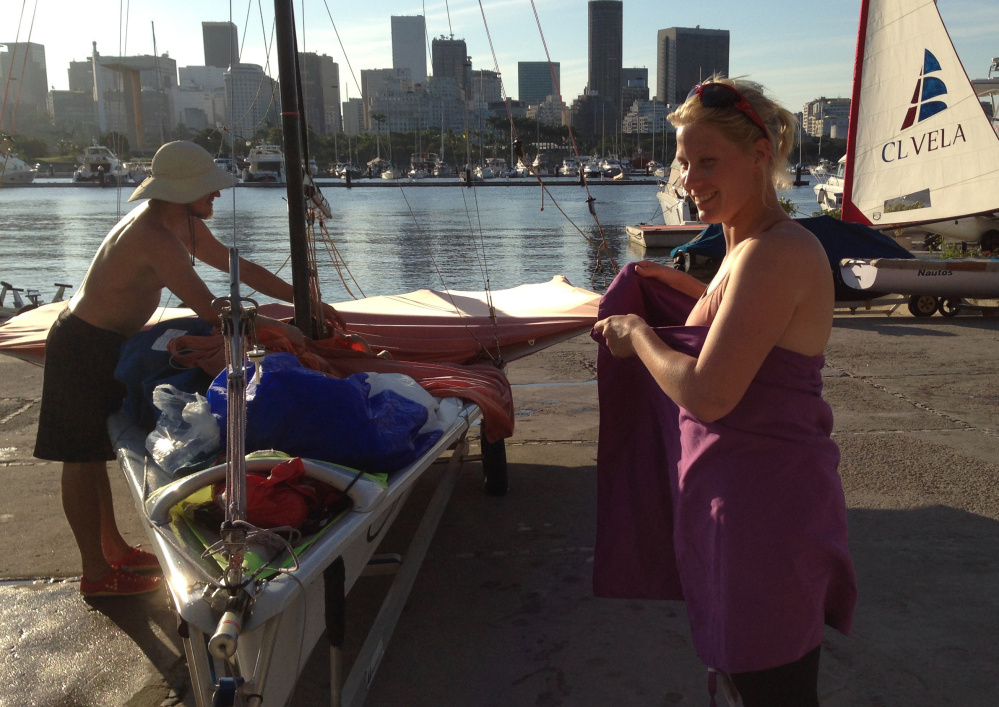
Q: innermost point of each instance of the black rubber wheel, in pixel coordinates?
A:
(922, 305)
(223, 699)
(990, 240)
(949, 306)
(494, 477)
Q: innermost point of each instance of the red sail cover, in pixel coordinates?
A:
(426, 325)
(431, 336)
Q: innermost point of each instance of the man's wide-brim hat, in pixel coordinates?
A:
(182, 172)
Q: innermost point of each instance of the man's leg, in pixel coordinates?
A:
(112, 543)
(81, 502)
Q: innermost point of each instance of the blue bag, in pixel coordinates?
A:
(304, 413)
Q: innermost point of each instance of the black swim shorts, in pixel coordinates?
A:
(79, 391)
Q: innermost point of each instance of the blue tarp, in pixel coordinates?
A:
(306, 414)
(840, 239)
(144, 363)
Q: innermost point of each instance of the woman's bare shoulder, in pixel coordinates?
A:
(786, 242)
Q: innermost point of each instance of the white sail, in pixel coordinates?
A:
(923, 149)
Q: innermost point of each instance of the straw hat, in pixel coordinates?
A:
(182, 172)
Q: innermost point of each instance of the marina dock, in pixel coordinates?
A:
(502, 612)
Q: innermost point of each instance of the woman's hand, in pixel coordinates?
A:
(618, 331)
(663, 273)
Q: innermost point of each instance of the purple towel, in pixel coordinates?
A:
(744, 517)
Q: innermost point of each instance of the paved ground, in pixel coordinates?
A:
(502, 612)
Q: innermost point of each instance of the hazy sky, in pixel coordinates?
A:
(799, 51)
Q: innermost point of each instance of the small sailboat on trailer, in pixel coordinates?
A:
(251, 612)
(922, 155)
(921, 152)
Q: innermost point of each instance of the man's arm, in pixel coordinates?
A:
(211, 251)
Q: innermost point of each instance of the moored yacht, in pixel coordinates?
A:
(97, 162)
(265, 163)
(829, 193)
(14, 170)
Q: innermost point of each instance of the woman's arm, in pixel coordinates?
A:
(765, 286)
(677, 279)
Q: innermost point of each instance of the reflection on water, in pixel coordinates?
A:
(393, 240)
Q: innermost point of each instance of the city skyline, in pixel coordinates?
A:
(821, 50)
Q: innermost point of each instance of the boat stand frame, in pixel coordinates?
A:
(347, 689)
(354, 688)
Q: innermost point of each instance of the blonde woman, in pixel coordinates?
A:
(757, 517)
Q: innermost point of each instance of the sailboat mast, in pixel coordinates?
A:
(284, 20)
(849, 211)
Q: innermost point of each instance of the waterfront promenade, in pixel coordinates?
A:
(502, 612)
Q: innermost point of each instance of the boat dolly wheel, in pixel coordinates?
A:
(990, 240)
(949, 306)
(494, 481)
(922, 305)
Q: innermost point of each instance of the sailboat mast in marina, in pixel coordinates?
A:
(921, 152)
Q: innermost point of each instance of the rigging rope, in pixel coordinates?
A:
(601, 244)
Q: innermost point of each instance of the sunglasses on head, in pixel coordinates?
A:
(721, 95)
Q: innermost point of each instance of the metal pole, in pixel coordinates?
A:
(284, 19)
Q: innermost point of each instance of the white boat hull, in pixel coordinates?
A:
(662, 236)
(15, 171)
(287, 618)
(961, 277)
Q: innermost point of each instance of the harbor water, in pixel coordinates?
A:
(392, 239)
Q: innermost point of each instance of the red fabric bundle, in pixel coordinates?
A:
(284, 497)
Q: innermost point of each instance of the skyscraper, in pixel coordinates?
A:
(534, 81)
(221, 44)
(320, 92)
(408, 42)
(634, 86)
(687, 56)
(450, 60)
(605, 52)
(29, 77)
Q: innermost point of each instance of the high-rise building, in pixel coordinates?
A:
(221, 44)
(73, 112)
(133, 96)
(826, 116)
(486, 86)
(320, 91)
(24, 62)
(634, 86)
(605, 52)
(451, 61)
(535, 82)
(353, 116)
(409, 45)
(252, 99)
(687, 56)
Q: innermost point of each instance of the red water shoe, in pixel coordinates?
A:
(119, 583)
(137, 559)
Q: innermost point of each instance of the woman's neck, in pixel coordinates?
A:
(754, 220)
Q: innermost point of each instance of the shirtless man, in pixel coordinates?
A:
(152, 248)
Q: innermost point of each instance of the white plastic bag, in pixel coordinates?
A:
(186, 431)
(441, 412)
